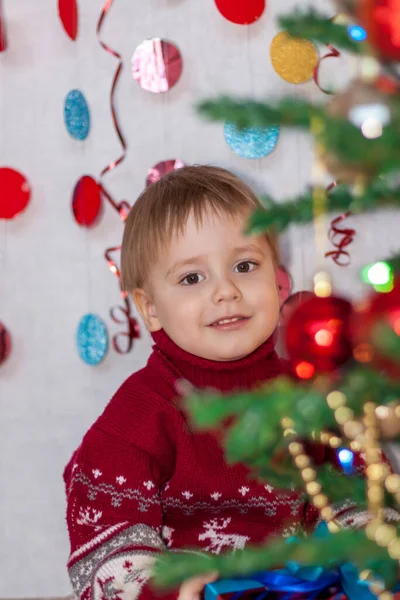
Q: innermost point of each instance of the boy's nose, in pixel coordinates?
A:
(226, 291)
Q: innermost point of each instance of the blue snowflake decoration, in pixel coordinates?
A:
(251, 142)
(76, 115)
(92, 339)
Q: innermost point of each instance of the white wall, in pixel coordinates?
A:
(52, 272)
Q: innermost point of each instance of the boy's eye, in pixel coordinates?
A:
(192, 279)
(245, 267)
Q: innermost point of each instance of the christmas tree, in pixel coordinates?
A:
(347, 358)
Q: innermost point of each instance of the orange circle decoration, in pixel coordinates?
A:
(294, 59)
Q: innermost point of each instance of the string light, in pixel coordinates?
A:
(357, 33)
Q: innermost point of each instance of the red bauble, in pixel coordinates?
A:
(292, 303)
(318, 335)
(15, 193)
(5, 343)
(381, 20)
(86, 201)
(379, 308)
(242, 12)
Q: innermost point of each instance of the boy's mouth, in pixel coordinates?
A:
(226, 321)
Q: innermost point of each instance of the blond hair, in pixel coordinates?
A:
(162, 211)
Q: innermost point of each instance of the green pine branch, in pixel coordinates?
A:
(339, 199)
(317, 27)
(338, 136)
(387, 341)
(174, 568)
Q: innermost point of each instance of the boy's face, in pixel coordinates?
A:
(213, 290)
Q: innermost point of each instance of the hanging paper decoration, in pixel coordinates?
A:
(294, 59)
(318, 334)
(333, 53)
(156, 65)
(242, 12)
(92, 339)
(122, 341)
(161, 168)
(3, 38)
(123, 207)
(86, 201)
(341, 237)
(5, 344)
(380, 19)
(15, 193)
(68, 12)
(76, 115)
(251, 142)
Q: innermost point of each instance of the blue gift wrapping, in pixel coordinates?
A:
(306, 582)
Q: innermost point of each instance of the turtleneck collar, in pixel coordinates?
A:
(246, 373)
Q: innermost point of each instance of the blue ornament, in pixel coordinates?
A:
(92, 339)
(251, 142)
(357, 33)
(346, 459)
(76, 115)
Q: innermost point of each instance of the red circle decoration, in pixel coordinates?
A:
(381, 20)
(161, 168)
(5, 344)
(318, 335)
(156, 65)
(15, 193)
(241, 12)
(68, 11)
(381, 307)
(86, 201)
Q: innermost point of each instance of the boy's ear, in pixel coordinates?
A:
(147, 309)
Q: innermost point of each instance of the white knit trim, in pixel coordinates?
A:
(97, 540)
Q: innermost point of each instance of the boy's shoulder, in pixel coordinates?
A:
(144, 399)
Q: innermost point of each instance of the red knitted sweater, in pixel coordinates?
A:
(141, 482)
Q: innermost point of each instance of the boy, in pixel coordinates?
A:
(141, 482)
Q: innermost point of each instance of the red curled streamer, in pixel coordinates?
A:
(340, 256)
(119, 314)
(112, 165)
(334, 53)
(132, 326)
